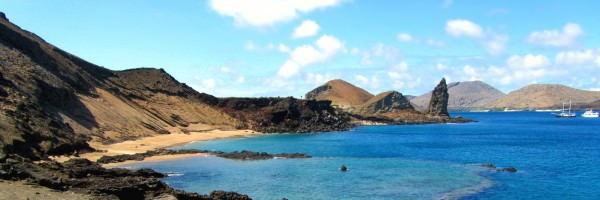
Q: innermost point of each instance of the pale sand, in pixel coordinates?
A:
(157, 142)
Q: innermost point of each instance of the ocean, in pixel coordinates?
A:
(556, 159)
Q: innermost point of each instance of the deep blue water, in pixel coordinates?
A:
(555, 158)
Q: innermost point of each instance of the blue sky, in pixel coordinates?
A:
(288, 47)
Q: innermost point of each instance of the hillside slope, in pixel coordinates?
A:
(543, 96)
(465, 95)
(340, 93)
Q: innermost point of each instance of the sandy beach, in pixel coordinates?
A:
(156, 142)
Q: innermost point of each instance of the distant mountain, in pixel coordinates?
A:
(340, 93)
(465, 95)
(543, 96)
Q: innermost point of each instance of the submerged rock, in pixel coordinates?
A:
(509, 169)
(343, 168)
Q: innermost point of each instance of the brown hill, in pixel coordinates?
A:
(340, 93)
(465, 95)
(544, 96)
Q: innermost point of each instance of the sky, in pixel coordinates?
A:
(288, 47)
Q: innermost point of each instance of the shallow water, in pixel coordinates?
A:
(556, 158)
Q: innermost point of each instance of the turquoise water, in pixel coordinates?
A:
(556, 158)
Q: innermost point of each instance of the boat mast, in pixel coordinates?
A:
(569, 106)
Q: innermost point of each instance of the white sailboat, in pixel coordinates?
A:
(590, 114)
(564, 114)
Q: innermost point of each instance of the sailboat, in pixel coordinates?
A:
(564, 114)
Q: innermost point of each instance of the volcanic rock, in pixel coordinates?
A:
(386, 102)
(438, 105)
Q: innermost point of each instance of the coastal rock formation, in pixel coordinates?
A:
(386, 108)
(241, 155)
(466, 95)
(545, 96)
(281, 115)
(438, 105)
(341, 94)
(386, 102)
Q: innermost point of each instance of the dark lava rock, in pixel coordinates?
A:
(84, 176)
(241, 155)
(343, 168)
(286, 115)
(438, 105)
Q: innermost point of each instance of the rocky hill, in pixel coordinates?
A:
(280, 115)
(385, 102)
(467, 95)
(544, 96)
(340, 93)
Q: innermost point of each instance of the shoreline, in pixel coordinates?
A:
(144, 144)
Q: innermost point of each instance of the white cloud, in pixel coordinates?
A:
(306, 54)
(283, 48)
(250, 46)
(471, 72)
(267, 12)
(306, 29)
(380, 53)
(318, 79)
(462, 27)
(355, 51)
(404, 37)
(528, 61)
(365, 82)
(209, 83)
(326, 47)
(441, 67)
(496, 45)
(288, 69)
(582, 57)
(557, 38)
(402, 78)
(240, 79)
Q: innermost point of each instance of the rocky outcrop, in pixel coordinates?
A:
(386, 102)
(84, 176)
(237, 155)
(438, 105)
(285, 115)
